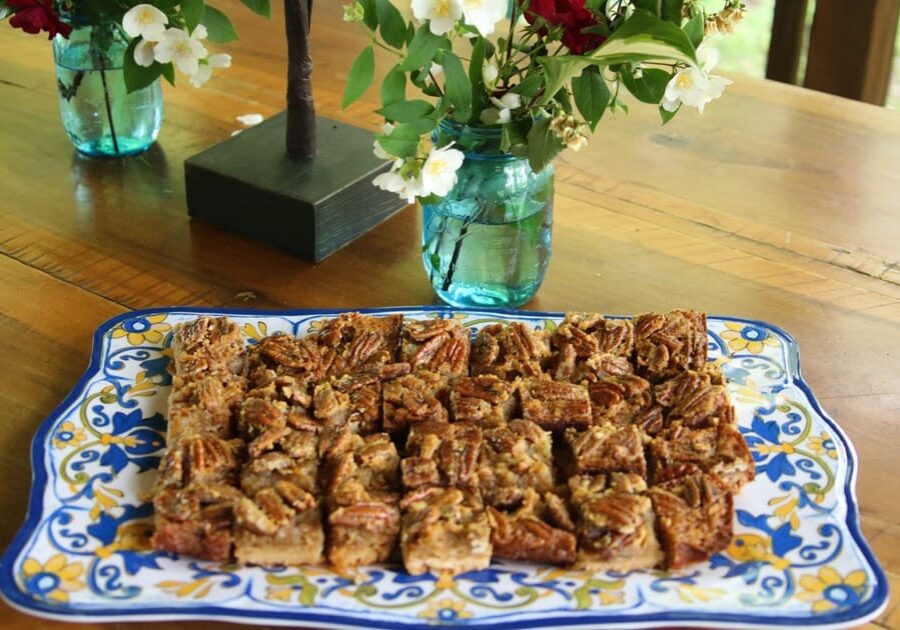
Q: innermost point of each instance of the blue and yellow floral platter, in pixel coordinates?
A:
(798, 556)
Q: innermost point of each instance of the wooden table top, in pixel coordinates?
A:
(778, 204)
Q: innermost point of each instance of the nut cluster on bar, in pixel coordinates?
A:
(603, 444)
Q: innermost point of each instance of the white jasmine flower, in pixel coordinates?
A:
(441, 14)
(501, 112)
(144, 53)
(439, 172)
(484, 14)
(183, 49)
(490, 72)
(379, 150)
(204, 69)
(392, 181)
(695, 87)
(145, 20)
(570, 132)
(436, 69)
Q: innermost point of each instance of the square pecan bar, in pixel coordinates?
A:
(483, 400)
(206, 406)
(607, 448)
(350, 400)
(509, 351)
(620, 400)
(695, 400)
(361, 494)
(565, 365)
(555, 405)
(591, 333)
(694, 515)
(282, 454)
(444, 530)
(615, 523)
(442, 454)
(278, 526)
(437, 345)
(720, 449)
(296, 360)
(669, 343)
(204, 459)
(539, 530)
(515, 458)
(352, 343)
(412, 399)
(196, 520)
(286, 401)
(205, 345)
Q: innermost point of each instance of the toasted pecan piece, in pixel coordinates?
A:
(509, 351)
(528, 533)
(719, 449)
(485, 400)
(412, 399)
(555, 405)
(437, 345)
(358, 343)
(438, 453)
(669, 343)
(515, 458)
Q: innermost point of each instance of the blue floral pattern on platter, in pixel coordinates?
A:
(798, 556)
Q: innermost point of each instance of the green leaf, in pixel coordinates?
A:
(370, 13)
(530, 85)
(422, 49)
(392, 24)
(138, 77)
(360, 78)
(669, 10)
(5, 11)
(644, 37)
(559, 70)
(666, 115)
(406, 111)
(591, 95)
(259, 7)
(192, 12)
(695, 29)
(476, 77)
(403, 140)
(168, 73)
(650, 88)
(457, 87)
(393, 88)
(220, 28)
(543, 145)
(514, 136)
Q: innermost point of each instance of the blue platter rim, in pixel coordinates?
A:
(866, 610)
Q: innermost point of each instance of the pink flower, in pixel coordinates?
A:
(574, 17)
(34, 16)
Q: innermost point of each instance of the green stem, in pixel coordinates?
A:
(109, 116)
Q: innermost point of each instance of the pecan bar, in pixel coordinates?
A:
(283, 355)
(669, 343)
(719, 449)
(483, 400)
(509, 351)
(437, 345)
(442, 454)
(515, 458)
(693, 399)
(412, 399)
(555, 405)
(615, 523)
(283, 402)
(619, 400)
(539, 530)
(205, 345)
(350, 400)
(591, 333)
(362, 496)
(195, 521)
(444, 530)
(565, 365)
(694, 515)
(606, 448)
(206, 406)
(204, 459)
(352, 342)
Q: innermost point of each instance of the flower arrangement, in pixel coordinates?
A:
(546, 76)
(164, 35)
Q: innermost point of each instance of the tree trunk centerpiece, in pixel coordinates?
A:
(274, 183)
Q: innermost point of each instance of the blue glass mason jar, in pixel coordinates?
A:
(488, 242)
(99, 115)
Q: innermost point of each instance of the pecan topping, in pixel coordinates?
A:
(249, 516)
(297, 498)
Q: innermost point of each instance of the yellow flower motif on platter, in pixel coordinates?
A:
(823, 445)
(611, 599)
(54, 579)
(197, 589)
(754, 339)
(767, 449)
(255, 332)
(829, 590)
(142, 386)
(133, 536)
(446, 610)
(787, 509)
(105, 499)
(146, 329)
(689, 594)
(755, 548)
(68, 435)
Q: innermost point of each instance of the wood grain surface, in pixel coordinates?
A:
(778, 203)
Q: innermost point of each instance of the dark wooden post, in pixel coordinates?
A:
(788, 24)
(301, 111)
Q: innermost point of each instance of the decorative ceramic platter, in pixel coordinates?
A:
(798, 556)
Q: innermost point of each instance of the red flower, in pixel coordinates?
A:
(34, 16)
(574, 17)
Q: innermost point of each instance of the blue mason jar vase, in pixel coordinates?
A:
(487, 243)
(98, 114)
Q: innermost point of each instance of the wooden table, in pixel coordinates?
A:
(778, 203)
